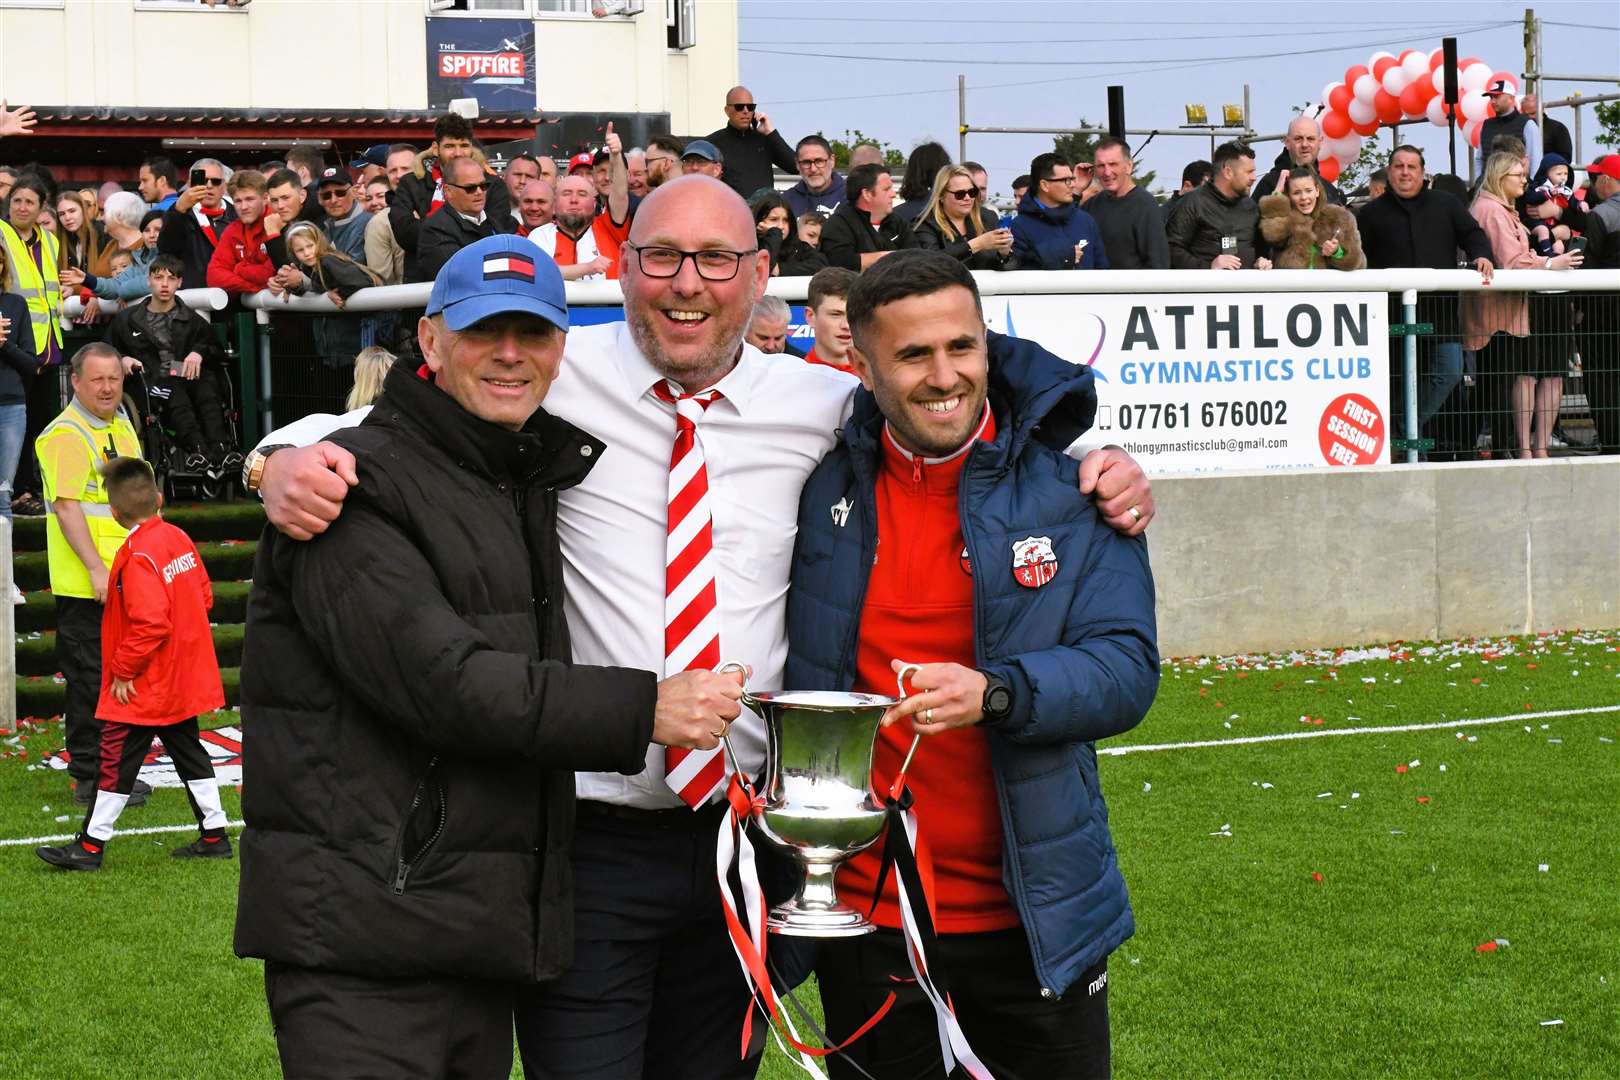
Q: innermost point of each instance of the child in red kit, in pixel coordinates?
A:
(158, 670)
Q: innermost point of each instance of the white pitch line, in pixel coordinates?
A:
(1286, 736)
(150, 831)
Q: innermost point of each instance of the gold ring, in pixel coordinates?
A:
(928, 716)
(719, 734)
(1135, 513)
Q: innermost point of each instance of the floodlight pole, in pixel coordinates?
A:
(961, 118)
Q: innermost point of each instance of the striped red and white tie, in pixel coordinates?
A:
(691, 615)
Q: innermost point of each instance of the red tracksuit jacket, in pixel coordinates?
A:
(241, 262)
(155, 630)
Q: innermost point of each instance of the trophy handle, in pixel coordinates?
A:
(748, 699)
(900, 682)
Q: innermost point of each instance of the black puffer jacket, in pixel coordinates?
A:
(1202, 220)
(412, 719)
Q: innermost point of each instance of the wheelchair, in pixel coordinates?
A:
(177, 479)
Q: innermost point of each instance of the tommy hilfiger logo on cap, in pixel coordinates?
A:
(508, 267)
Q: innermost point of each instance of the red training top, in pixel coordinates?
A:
(814, 359)
(919, 608)
(609, 236)
(155, 630)
(241, 261)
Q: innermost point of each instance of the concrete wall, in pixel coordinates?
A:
(349, 54)
(1279, 560)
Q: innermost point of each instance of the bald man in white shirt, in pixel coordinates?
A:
(655, 990)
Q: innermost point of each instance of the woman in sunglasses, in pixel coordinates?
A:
(955, 221)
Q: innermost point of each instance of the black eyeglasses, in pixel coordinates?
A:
(964, 193)
(1057, 179)
(814, 162)
(713, 264)
(482, 185)
(744, 106)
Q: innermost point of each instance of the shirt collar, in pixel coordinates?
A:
(983, 431)
(89, 417)
(737, 386)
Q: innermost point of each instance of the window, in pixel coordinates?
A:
(680, 16)
(540, 9)
(191, 5)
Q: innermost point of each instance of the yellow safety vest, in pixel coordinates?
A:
(103, 441)
(41, 290)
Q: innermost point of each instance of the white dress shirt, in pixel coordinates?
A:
(777, 418)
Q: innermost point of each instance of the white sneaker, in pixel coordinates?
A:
(16, 595)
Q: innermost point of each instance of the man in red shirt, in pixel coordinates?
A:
(584, 243)
(824, 306)
(158, 671)
(959, 542)
(241, 262)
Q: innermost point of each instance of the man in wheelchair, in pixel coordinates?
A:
(173, 349)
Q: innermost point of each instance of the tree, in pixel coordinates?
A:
(1608, 117)
(1078, 146)
(894, 159)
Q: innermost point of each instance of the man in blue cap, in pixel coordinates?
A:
(416, 720)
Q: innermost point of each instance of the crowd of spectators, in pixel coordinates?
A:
(302, 226)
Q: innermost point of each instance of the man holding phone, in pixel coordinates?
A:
(750, 145)
(193, 225)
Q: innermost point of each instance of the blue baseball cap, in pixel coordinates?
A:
(496, 275)
(701, 148)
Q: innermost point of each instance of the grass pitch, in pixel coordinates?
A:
(1307, 904)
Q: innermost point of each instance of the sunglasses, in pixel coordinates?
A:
(482, 185)
(743, 106)
(964, 193)
(331, 193)
(216, 181)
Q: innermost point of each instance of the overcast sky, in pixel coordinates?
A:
(889, 67)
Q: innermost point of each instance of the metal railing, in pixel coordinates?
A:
(283, 376)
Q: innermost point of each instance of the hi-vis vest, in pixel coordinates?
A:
(43, 294)
(116, 438)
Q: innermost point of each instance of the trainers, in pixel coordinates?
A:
(196, 462)
(204, 848)
(17, 596)
(72, 856)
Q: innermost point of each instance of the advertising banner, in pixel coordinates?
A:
(488, 59)
(1205, 382)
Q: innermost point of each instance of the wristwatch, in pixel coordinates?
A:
(253, 466)
(998, 700)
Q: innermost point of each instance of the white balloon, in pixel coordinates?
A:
(1475, 77)
(1377, 56)
(1438, 77)
(1362, 112)
(1344, 149)
(1367, 86)
(1395, 79)
(1436, 111)
(1474, 108)
(1416, 66)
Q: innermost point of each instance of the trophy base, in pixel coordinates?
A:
(840, 921)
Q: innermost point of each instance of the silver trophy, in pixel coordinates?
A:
(818, 803)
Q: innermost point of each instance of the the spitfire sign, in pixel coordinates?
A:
(491, 60)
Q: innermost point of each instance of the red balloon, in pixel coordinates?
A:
(1381, 65)
(1401, 59)
(1413, 102)
(1468, 62)
(1354, 73)
(1387, 106)
(1339, 99)
(1335, 125)
(1369, 128)
(1328, 168)
(1473, 136)
(1427, 88)
(1437, 58)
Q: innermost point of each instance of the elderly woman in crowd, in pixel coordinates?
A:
(1305, 231)
(954, 220)
(1498, 324)
(779, 234)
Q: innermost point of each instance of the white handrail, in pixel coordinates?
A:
(195, 299)
(1043, 282)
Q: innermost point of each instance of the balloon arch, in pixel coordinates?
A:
(1389, 88)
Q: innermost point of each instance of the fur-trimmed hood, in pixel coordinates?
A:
(1298, 241)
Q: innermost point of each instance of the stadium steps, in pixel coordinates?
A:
(226, 535)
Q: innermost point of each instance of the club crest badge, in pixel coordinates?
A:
(1034, 561)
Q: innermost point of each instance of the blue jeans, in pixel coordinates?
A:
(1445, 372)
(13, 425)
